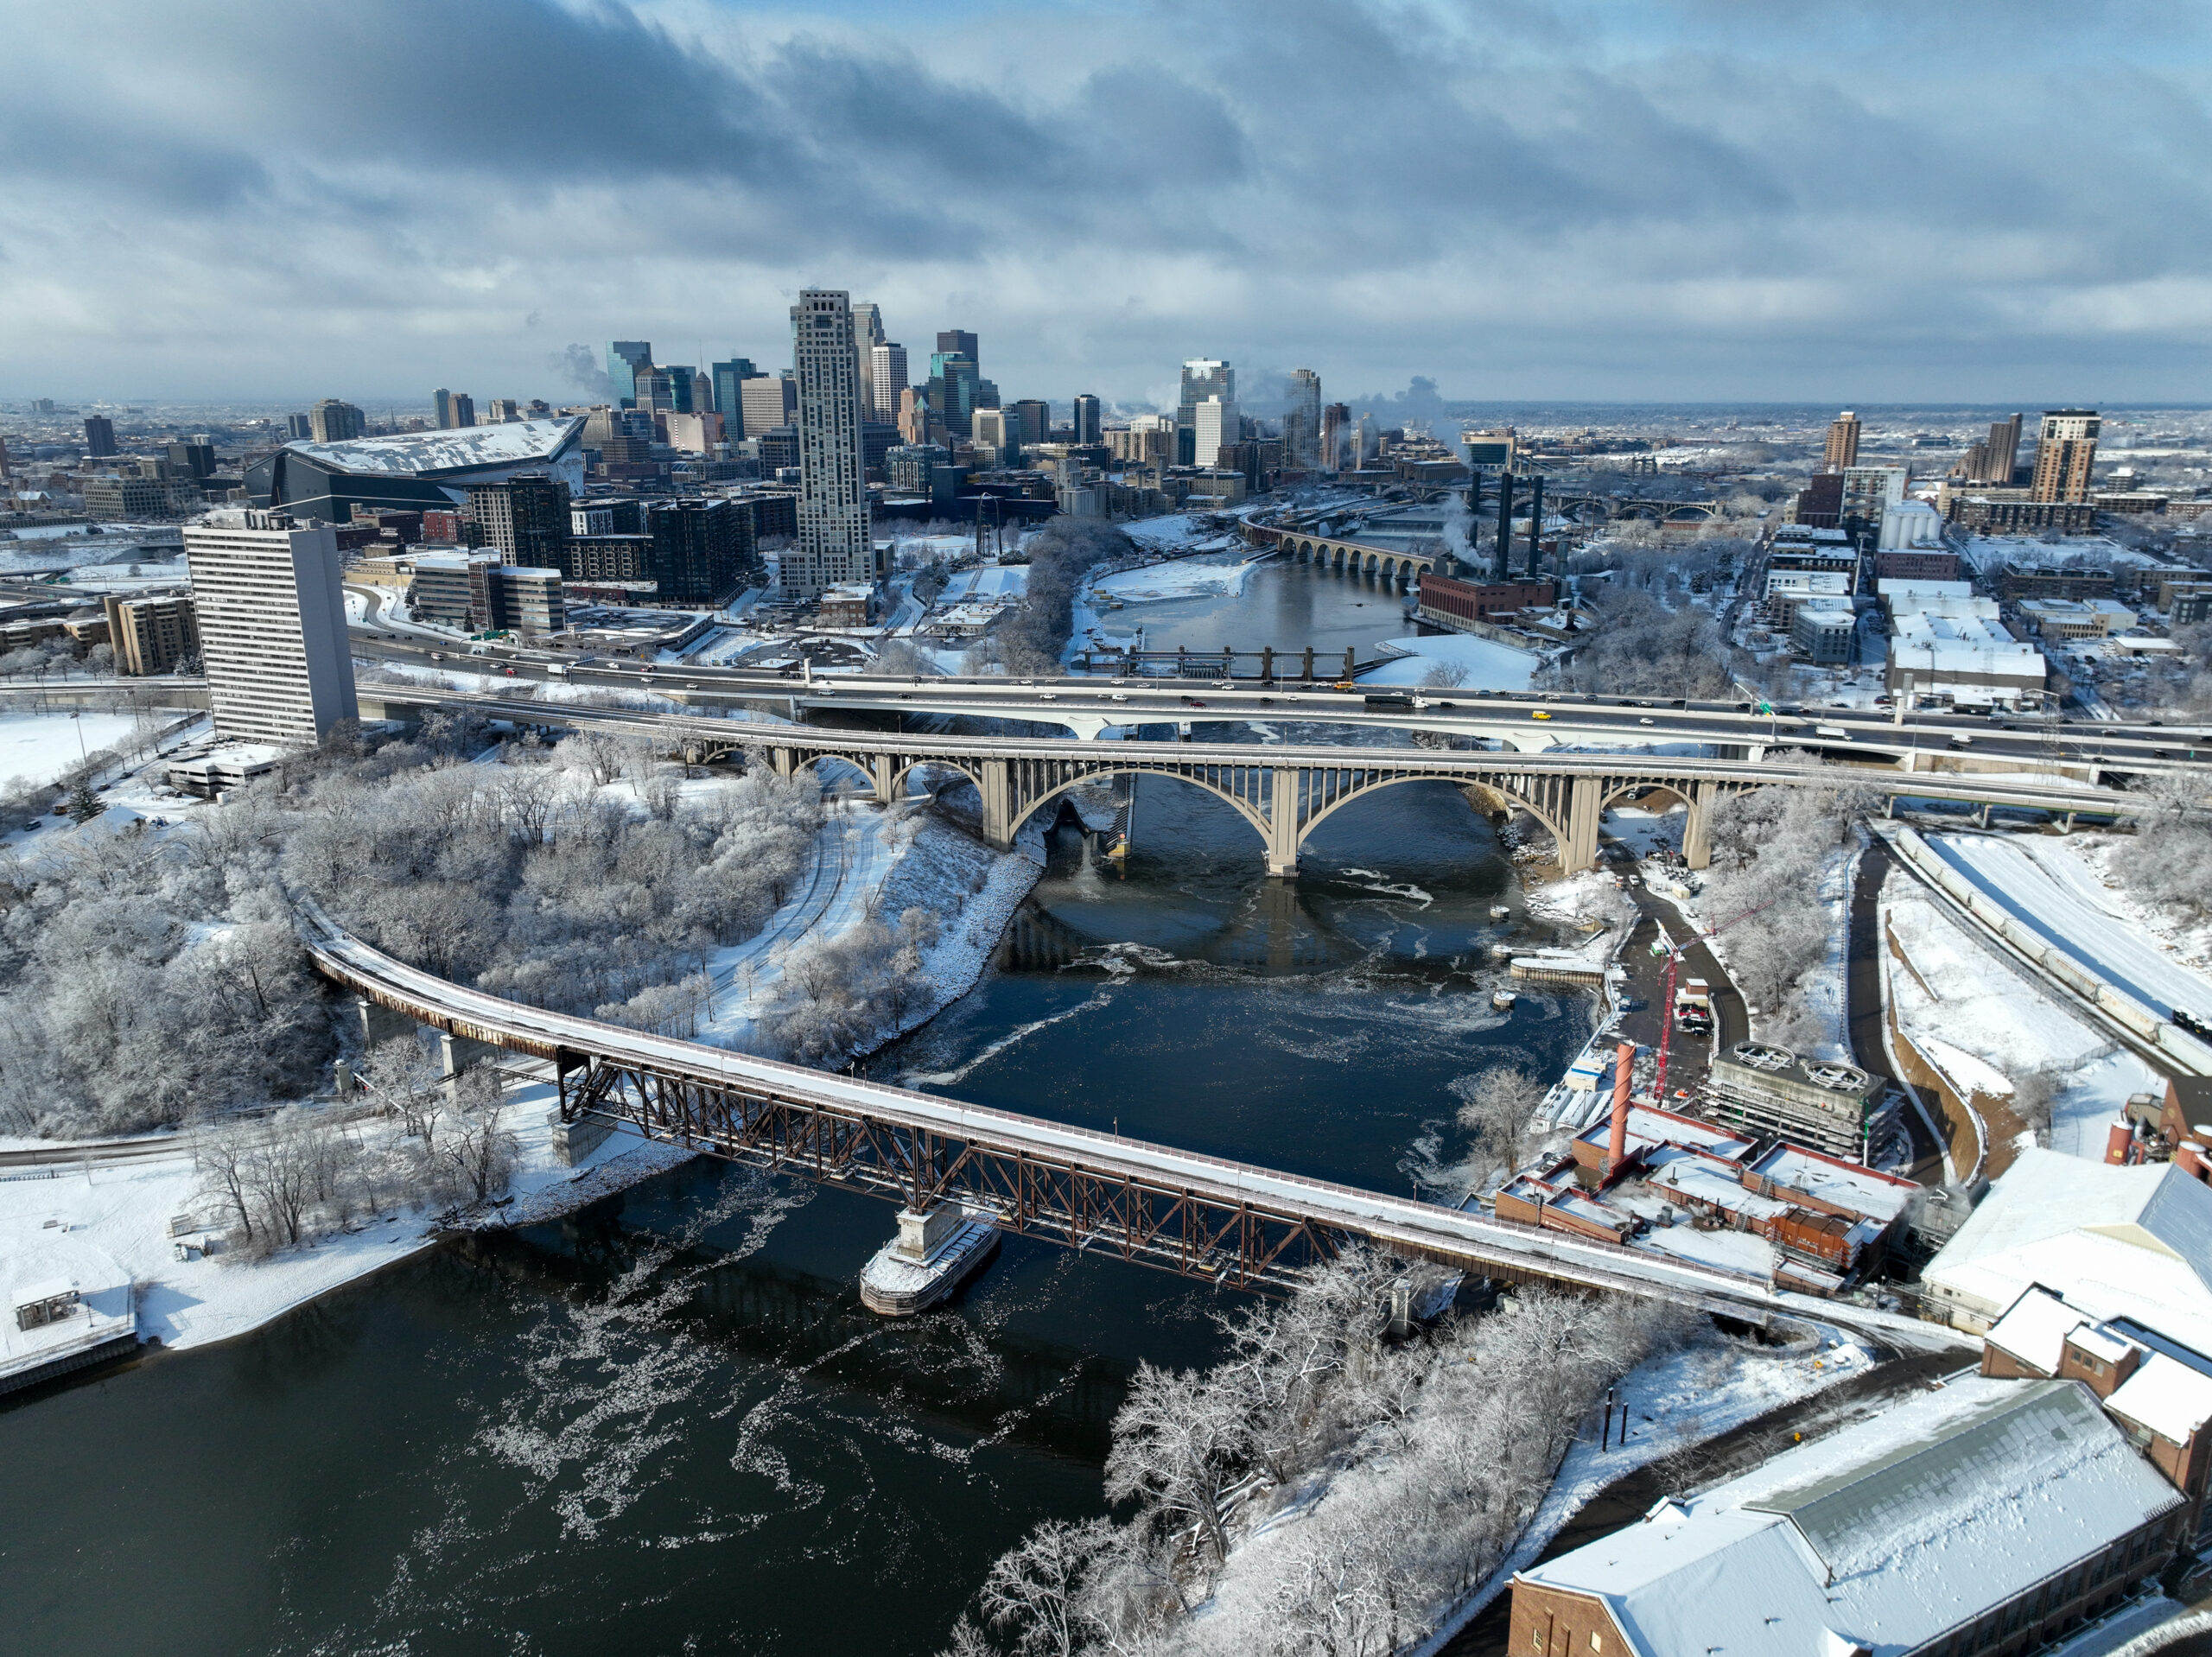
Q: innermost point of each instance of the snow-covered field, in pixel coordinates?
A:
(1177, 532)
(1990, 1027)
(1218, 575)
(38, 747)
(1488, 664)
(2047, 885)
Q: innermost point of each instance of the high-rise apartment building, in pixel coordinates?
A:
(1090, 423)
(463, 407)
(150, 636)
(2001, 453)
(99, 437)
(298, 428)
(1869, 493)
(1203, 377)
(524, 520)
(1301, 421)
(335, 421)
(625, 357)
(2066, 451)
(1842, 450)
(768, 402)
(1215, 426)
(1334, 419)
(887, 379)
(833, 546)
(699, 549)
(272, 626)
(729, 397)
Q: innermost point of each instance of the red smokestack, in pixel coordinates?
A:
(2119, 1137)
(1624, 1066)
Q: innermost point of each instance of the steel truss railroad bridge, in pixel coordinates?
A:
(1233, 1223)
(1284, 793)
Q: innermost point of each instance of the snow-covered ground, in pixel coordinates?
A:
(1177, 532)
(1989, 1026)
(1488, 664)
(38, 748)
(1676, 1403)
(2047, 885)
(123, 1209)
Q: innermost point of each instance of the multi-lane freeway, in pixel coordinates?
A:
(1526, 721)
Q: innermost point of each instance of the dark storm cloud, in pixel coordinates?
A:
(1647, 191)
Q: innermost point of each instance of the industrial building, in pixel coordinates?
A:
(1945, 642)
(1442, 601)
(1987, 1515)
(271, 618)
(1766, 1088)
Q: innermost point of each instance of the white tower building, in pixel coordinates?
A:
(272, 626)
(1216, 424)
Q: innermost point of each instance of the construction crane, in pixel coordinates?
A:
(1664, 944)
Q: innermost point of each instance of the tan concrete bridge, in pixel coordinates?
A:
(1343, 555)
(1284, 793)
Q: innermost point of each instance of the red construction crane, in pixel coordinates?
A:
(1673, 951)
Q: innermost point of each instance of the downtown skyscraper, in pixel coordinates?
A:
(833, 545)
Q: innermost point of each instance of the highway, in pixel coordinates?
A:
(1527, 721)
(1476, 1240)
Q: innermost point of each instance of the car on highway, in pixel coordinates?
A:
(1539, 714)
(1646, 720)
(1117, 696)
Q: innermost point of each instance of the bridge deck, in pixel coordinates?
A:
(1473, 1240)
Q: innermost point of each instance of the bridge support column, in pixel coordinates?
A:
(998, 805)
(459, 1053)
(783, 760)
(883, 771)
(1584, 810)
(379, 1023)
(1697, 832)
(1282, 825)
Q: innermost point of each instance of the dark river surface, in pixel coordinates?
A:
(666, 1425)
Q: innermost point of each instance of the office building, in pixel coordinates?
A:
(868, 327)
(699, 548)
(695, 433)
(187, 460)
(2066, 450)
(332, 420)
(1301, 421)
(1214, 426)
(462, 408)
(1486, 453)
(1842, 449)
(1821, 633)
(501, 411)
(767, 403)
(886, 380)
(528, 600)
(988, 432)
(1033, 422)
(414, 471)
(99, 437)
(914, 414)
(834, 545)
(626, 359)
(959, 342)
(298, 428)
(524, 520)
(1089, 426)
(729, 396)
(1334, 418)
(150, 636)
(126, 500)
(1203, 377)
(271, 620)
(952, 390)
(908, 466)
(442, 408)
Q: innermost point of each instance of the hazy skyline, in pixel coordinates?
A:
(1701, 201)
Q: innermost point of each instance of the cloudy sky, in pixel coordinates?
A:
(1863, 201)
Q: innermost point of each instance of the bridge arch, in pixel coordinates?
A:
(1499, 785)
(899, 777)
(1029, 808)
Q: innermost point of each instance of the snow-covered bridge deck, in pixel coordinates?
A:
(1201, 1215)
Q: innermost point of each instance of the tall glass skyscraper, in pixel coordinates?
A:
(1203, 377)
(729, 401)
(626, 359)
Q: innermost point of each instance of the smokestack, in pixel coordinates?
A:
(2120, 1139)
(1466, 566)
(1535, 526)
(1624, 1068)
(1503, 551)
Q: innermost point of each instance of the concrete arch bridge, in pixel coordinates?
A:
(1285, 792)
(1346, 557)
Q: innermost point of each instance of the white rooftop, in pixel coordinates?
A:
(518, 442)
(1883, 1535)
(1860, 1189)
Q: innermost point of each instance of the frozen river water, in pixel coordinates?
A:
(665, 1424)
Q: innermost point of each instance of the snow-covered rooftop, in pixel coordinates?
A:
(1883, 1535)
(517, 442)
(2166, 1396)
(1878, 1195)
(2035, 1329)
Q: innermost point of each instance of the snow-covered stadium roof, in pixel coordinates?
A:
(1881, 1536)
(429, 454)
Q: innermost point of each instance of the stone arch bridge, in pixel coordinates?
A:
(1345, 557)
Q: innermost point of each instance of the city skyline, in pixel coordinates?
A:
(1643, 206)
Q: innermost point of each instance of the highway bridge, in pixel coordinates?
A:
(1283, 792)
(1526, 721)
(1234, 1223)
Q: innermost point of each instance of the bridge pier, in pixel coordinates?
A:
(883, 771)
(1282, 825)
(1585, 808)
(1697, 832)
(997, 789)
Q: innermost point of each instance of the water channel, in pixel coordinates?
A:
(666, 1425)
